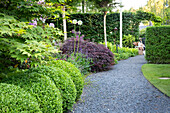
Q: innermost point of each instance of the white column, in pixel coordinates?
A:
(64, 24)
(121, 24)
(105, 37)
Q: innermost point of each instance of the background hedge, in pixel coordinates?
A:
(158, 44)
(93, 29)
(62, 81)
(14, 99)
(41, 87)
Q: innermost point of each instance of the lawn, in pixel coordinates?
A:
(153, 72)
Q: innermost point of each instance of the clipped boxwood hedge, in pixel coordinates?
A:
(14, 99)
(41, 87)
(157, 44)
(73, 72)
(62, 81)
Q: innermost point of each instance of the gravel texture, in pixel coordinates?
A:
(123, 89)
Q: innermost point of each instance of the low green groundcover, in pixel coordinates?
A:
(41, 87)
(14, 99)
(62, 81)
(154, 73)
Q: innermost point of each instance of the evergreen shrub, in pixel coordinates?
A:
(92, 26)
(158, 44)
(62, 81)
(73, 72)
(14, 99)
(41, 87)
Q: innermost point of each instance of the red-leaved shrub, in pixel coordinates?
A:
(102, 57)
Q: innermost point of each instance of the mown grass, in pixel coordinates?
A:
(153, 72)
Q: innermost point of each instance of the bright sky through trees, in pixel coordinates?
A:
(133, 3)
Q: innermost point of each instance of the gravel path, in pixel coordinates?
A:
(123, 89)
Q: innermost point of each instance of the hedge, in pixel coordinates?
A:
(93, 29)
(14, 99)
(41, 87)
(62, 81)
(73, 72)
(157, 44)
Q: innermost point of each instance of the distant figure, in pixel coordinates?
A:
(140, 46)
(150, 23)
(143, 40)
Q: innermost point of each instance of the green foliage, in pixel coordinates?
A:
(105, 5)
(79, 60)
(93, 25)
(39, 86)
(25, 10)
(14, 99)
(19, 41)
(150, 16)
(128, 40)
(73, 72)
(124, 56)
(157, 44)
(62, 81)
(142, 33)
(123, 53)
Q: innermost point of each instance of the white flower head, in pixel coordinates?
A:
(52, 25)
(80, 22)
(43, 20)
(110, 32)
(74, 21)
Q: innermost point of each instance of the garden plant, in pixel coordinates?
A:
(42, 70)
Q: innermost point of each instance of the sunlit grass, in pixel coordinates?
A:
(153, 72)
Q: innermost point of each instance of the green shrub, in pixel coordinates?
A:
(14, 99)
(128, 40)
(41, 87)
(25, 41)
(157, 44)
(124, 56)
(123, 53)
(62, 81)
(79, 60)
(73, 72)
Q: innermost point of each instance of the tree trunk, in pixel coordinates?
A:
(83, 3)
(105, 13)
(64, 24)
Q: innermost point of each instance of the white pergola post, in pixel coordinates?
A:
(121, 25)
(64, 24)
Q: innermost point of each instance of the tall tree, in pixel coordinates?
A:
(105, 6)
(158, 7)
(64, 4)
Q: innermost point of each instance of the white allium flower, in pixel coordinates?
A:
(80, 22)
(52, 25)
(110, 32)
(74, 21)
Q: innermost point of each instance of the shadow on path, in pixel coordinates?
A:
(123, 89)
